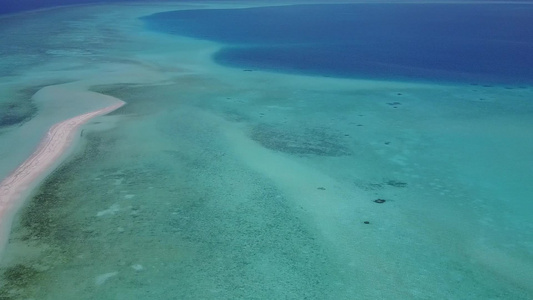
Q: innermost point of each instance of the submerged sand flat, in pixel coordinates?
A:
(219, 183)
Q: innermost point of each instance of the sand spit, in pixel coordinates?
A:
(55, 143)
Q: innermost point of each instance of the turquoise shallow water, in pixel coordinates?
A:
(219, 183)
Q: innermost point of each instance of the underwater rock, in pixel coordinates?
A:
(394, 103)
(396, 183)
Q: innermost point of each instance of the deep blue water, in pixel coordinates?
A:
(13, 6)
(450, 42)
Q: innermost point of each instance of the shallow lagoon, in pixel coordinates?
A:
(216, 182)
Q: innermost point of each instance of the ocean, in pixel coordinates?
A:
(16, 6)
(443, 42)
(335, 151)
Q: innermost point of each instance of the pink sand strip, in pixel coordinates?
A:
(51, 148)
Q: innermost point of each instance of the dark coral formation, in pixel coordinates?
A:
(396, 183)
(14, 113)
(315, 141)
(16, 278)
(376, 186)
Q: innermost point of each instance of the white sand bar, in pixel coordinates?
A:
(52, 147)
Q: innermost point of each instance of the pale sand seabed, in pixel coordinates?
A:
(208, 184)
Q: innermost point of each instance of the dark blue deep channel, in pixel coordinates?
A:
(481, 43)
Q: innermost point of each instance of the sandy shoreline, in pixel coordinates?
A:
(54, 144)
